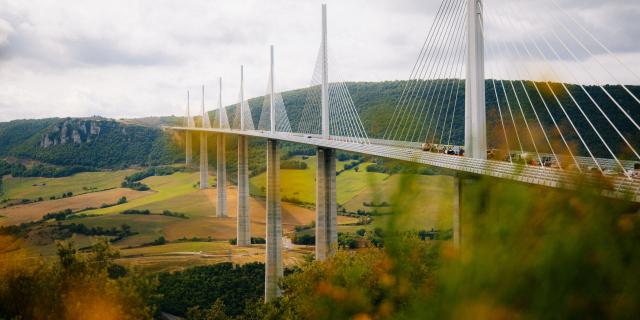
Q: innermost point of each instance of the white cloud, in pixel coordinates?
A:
(137, 58)
(5, 31)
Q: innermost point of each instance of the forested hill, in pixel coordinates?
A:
(376, 102)
(106, 143)
(92, 142)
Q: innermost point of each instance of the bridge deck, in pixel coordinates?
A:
(619, 187)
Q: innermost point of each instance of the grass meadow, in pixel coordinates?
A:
(85, 182)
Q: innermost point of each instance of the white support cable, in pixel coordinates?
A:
(315, 121)
(359, 127)
(519, 103)
(461, 45)
(400, 122)
(419, 60)
(611, 54)
(453, 116)
(530, 55)
(248, 117)
(595, 79)
(597, 106)
(432, 35)
(440, 57)
(349, 112)
(562, 107)
(337, 108)
(281, 113)
(504, 129)
(448, 89)
(315, 110)
(513, 120)
(524, 117)
(455, 102)
(343, 120)
(456, 81)
(535, 43)
(453, 113)
(593, 100)
(307, 121)
(340, 106)
(440, 105)
(517, 52)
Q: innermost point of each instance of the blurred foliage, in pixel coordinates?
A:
(79, 286)
(527, 252)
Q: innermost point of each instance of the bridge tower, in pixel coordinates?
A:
(326, 208)
(325, 77)
(221, 176)
(204, 154)
(188, 139)
(273, 266)
(475, 135)
(272, 111)
(243, 219)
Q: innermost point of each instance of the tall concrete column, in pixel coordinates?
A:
(475, 135)
(326, 207)
(457, 196)
(188, 122)
(273, 266)
(188, 154)
(243, 223)
(204, 161)
(221, 178)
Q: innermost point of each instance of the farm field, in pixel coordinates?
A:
(203, 238)
(85, 182)
(34, 211)
(427, 203)
(178, 256)
(168, 257)
(300, 184)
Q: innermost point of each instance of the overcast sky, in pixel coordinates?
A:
(138, 58)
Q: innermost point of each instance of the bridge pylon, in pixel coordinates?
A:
(221, 174)
(243, 223)
(273, 265)
(475, 133)
(188, 144)
(204, 154)
(325, 77)
(326, 206)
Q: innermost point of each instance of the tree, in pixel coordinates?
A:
(215, 312)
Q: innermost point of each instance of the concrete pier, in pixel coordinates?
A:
(188, 147)
(221, 178)
(204, 162)
(244, 225)
(273, 267)
(326, 207)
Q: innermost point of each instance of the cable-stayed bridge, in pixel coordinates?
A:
(531, 112)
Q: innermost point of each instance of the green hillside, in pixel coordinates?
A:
(106, 143)
(92, 142)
